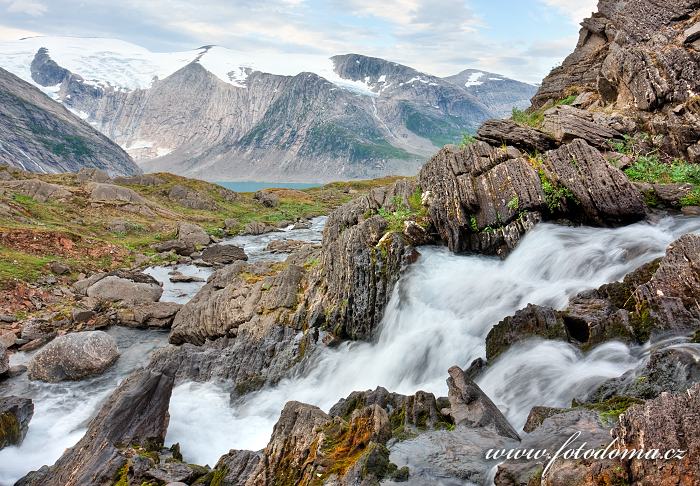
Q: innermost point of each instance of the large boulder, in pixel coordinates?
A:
(223, 254)
(191, 199)
(192, 234)
(267, 198)
(74, 356)
(121, 286)
(135, 415)
(15, 414)
(110, 193)
(482, 198)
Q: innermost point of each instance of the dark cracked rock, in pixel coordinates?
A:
(135, 414)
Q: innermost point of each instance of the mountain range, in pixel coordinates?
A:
(216, 114)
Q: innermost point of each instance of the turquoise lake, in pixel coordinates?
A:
(252, 186)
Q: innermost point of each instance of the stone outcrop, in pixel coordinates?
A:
(191, 199)
(134, 418)
(361, 260)
(15, 414)
(74, 356)
(641, 57)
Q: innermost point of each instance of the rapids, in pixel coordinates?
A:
(439, 315)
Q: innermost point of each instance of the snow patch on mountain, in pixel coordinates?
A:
(474, 79)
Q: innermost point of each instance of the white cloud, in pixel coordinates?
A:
(32, 8)
(11, 33)
(576, 10)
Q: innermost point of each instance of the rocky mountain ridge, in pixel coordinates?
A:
(39, 135)
(350, 116)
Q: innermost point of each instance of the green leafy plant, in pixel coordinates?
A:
(554, 194)
(532, 119)
(514, 203)
(649, 168)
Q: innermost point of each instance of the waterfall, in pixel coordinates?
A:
(439, 315)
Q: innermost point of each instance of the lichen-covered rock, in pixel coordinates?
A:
(15, 414)
(235, 467)
(135, 414)
(74, 356)
(310, 447)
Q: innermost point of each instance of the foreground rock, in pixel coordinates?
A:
(134, 418)
(470, 406)
(4, 359)
(74, 356)
(15, 414)
(483, 198)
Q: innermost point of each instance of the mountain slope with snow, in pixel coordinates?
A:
(216, 113)
(39, 135)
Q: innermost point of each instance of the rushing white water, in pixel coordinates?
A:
(438, 317)
(62, 410)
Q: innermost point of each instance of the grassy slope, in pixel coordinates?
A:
(33, 234)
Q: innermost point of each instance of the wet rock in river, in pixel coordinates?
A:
(120, 286)
(15, 414)
(223, 254)
(74, 356)
(134, 418)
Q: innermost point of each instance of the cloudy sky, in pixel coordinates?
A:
(523, 39)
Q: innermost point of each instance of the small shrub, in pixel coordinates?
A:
(467, 140)
(649, 168)
(514, 203)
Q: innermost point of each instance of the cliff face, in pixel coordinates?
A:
(641, 58)
(39, 135)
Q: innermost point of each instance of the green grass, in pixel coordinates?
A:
(15, 265)
(532, 119)
(649, 168)
(402, 213)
